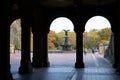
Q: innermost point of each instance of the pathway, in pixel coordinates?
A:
(62, 68)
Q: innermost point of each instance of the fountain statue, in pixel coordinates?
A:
(66, 46)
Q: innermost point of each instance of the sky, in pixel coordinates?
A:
(97, 22)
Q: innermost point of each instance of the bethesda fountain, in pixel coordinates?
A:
(66, 46)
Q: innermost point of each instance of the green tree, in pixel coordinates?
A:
(91, 39)
(105, 35)
(72, 39)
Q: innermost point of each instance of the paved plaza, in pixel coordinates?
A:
(62, 68)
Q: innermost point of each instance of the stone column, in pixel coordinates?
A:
(25, 64)
(5, 73)
(38, 39)
(79, 50)
(37, 50)
(117, 52)
(118, 36)
(116, 31)
(45, 49)
(5, 17)
(79, 24)
(116, 49)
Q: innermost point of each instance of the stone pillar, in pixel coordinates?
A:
(40, 46)
(37, 50)
(5, 15)
(79, 24)
(117, 37)
(116, 31)
(117, 52)
(40, 50)
(79, 50)
(37, 60)
(25, 64)
(116, 49)
(45, 49)
(5, 73)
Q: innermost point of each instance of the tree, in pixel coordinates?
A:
(15, 34)
(91, 39)
(51, 40)
(72, 39)
(60, 39)
(105, 35)
(55, 40)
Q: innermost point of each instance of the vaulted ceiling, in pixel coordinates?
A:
(62, 3)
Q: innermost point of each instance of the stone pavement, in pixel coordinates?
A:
(62, 68)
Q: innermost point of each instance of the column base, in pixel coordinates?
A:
(37, 65)
(79, 65)
(118, 70)
(25, 69)
(115, 65)
(7, 76)
(47, 64)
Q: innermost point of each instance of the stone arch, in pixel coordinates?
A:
(15, 29)
(97, 23)
(70, 26)
(15, 42)
(98, 17)
(65, 19)
(109, 52)
(50, 20)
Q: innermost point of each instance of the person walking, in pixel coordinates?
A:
(92, 50)
(85, 51)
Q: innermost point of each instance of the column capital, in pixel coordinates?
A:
(79, 25)
(117, 32)
(79, 30)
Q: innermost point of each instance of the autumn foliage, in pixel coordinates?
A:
(94, 38)
(55, 40)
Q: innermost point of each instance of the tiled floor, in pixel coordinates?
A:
(62, 68)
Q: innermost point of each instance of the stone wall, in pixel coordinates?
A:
(109, 53)
(103, 48)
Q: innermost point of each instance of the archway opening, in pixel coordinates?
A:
(97, 40)
(57, 40)
(15, 45)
